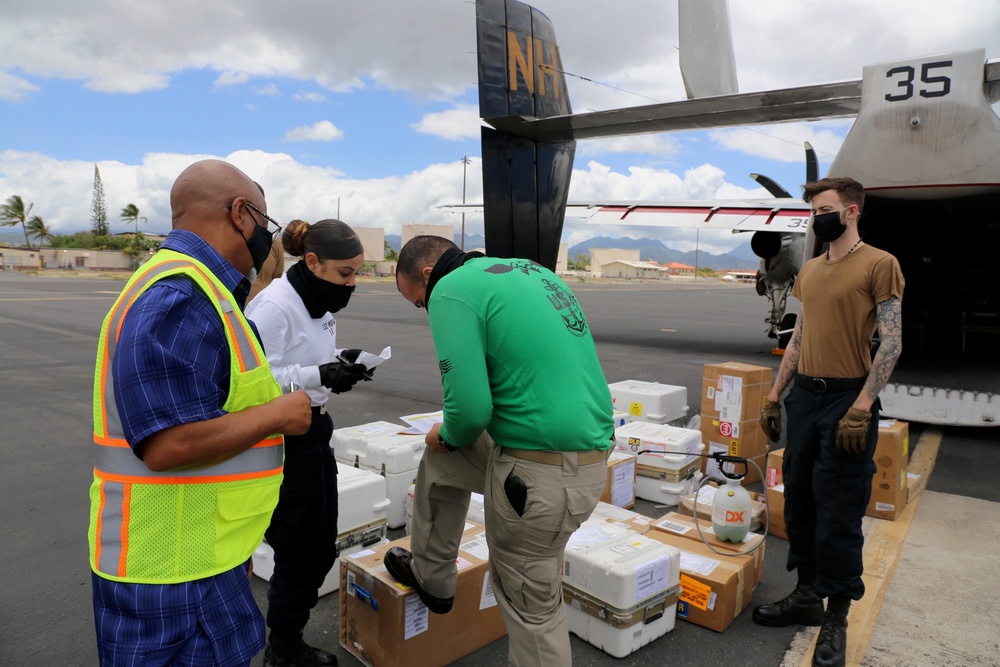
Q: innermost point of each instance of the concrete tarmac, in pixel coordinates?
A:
(646, 331)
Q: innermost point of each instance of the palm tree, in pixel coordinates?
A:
(36, 227)
(12, 212)
(131, 214)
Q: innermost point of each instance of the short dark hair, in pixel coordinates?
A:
(421, 251)
(850, 191)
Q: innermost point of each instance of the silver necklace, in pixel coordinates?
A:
(853, 248)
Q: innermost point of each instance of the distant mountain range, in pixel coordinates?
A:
(741, 257)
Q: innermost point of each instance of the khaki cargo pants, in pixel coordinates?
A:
(526, 551)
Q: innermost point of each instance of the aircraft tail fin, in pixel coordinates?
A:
(525, 180)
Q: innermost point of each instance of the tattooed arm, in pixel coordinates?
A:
(890, 327)
(789, 362)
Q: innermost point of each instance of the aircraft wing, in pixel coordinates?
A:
(740, 215)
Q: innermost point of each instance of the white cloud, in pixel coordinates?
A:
(323, 130)
(462, 122)
(14, 88)
(270, 90)
(784, 142)
(230, 79)
(309, 97)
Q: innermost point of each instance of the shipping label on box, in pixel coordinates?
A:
(619, 515)
(383, 622)
(619, 490)
(733, 391)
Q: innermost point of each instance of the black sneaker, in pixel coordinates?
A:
(801, 607)
(296, 653)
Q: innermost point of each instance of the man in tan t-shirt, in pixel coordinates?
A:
(833, 410)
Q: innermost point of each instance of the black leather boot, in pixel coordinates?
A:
(295, 653)
(801, 607)
(831, 647)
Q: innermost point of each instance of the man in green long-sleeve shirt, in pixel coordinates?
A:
(527, 423)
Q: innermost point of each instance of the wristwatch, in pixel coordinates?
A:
(444, 444)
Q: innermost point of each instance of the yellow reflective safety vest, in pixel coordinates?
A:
(175, 526)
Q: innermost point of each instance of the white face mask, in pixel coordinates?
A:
(252, 276)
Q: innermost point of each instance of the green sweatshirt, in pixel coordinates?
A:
(517, 359)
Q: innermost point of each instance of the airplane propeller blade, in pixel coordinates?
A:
(812, 164)
(770, 185)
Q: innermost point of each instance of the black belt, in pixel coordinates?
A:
(824, 385)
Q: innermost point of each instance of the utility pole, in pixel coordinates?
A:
(465, 169)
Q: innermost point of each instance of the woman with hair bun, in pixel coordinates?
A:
(294, 316)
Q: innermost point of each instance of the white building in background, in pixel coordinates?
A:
(562, 259)
(373, 240)
(629, 270)
(601, 256)
(409, 231)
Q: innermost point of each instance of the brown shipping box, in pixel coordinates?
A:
(889, 482)
(679, 524)
(714, 588)
(736, 439)
(776, 511)
(733, 391)
(772, 474)
(383, 622)
(619, 490)
(775, 494)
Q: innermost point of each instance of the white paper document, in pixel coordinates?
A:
(370, 361)
(422, 423)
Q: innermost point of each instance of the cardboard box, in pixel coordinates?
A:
(889, 482)
(680, 524)
(714, 588)
(384, 623)
(706, 495)
(743, 438)
(619, 490)
(733, 391)
(611, 514)
(773, 472)
(776, 511)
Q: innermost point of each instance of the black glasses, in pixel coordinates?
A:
(271, 220)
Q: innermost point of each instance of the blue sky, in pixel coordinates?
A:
(370, 106)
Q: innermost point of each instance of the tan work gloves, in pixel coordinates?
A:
(770, 419)
(852, 431)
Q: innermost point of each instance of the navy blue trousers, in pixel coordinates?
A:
(826, 492)
(303, 530)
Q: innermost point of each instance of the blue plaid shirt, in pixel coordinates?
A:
(171, 367)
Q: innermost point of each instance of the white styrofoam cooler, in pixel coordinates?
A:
(620, 587)
(667, 466)
(477, 509)
(381, 448)
(362, 508)
(650, 401)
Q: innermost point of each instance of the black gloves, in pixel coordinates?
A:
(338, 377)
(350, 354)
(770, 419)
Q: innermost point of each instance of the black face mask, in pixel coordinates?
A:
(828, 226)
(318, 296)
(259, 246)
